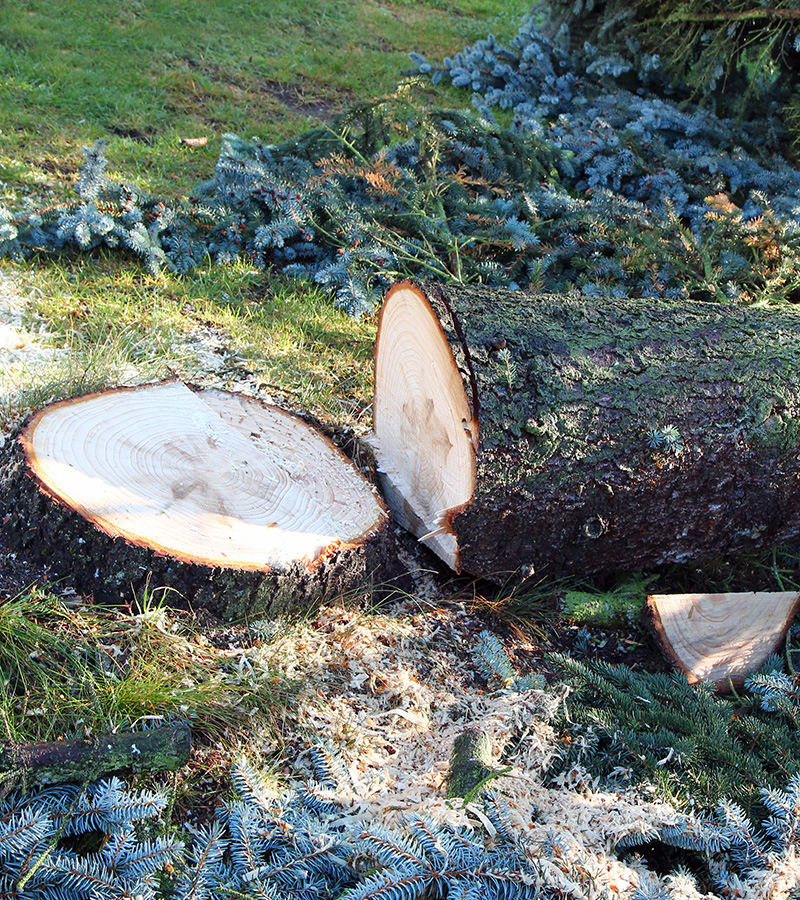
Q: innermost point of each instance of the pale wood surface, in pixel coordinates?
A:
(721, 638)
(425, 436)
(203, 476)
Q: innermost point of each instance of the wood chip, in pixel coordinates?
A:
(721, 638)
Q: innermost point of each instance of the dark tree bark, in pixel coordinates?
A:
(57, 762)
(566, 436)
(241, 508)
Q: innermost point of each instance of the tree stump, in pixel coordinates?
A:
(520, 433)
(239, 506)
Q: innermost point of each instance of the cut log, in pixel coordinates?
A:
(470, 768)
(239, 506)
(58, 762)
(520, 433)
(721, 638)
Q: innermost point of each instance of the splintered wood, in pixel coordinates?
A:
(721, 638)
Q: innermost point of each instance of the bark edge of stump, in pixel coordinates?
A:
(97, 558)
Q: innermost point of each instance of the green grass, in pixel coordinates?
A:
(74, 672)
(225, 326)
(143, 75)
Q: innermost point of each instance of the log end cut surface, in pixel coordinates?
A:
(202, 476)
(721, 638)
(425, 432)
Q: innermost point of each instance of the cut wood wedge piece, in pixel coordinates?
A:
(721, 638)
(181, 485)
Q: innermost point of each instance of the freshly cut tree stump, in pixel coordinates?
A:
(240, 506)
(548, 434)
(721, 638)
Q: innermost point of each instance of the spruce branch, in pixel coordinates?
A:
(590, 187)
(751, 14)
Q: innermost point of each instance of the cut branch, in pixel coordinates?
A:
(791, 15)
(156, 750)
(470, 764)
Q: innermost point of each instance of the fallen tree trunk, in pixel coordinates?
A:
(240, 507)
(520, 433)
(57, 762)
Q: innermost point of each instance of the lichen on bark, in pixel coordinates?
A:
(622, 433)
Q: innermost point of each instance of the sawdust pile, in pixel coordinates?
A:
(391, 692)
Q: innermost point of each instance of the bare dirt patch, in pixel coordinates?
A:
(303, 99)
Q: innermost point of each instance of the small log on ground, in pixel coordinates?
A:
(470, 764)
(57, 762)
(520, 433)
(239, 506)
(721, 638)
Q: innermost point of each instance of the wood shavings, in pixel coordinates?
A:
(392, 692)
(393, 704)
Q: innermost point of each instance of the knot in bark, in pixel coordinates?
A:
(594, 527)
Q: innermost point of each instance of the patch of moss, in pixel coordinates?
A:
(617, 608)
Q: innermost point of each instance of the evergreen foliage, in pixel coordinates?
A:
(263, 846)
(88, 842)
(562, 179)
(260, 845)
(391, 189)
(732, 845)
(691, 202)
(76, 842)
(694, 745)
(107, 214)
(282, 847)
(733, 55)
(492, 661)
(620, 721)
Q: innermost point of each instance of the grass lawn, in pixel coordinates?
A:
(144, 77)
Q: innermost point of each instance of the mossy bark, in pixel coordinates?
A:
(58, 762)
(470, 764)
(619, 434)
(112, 570)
